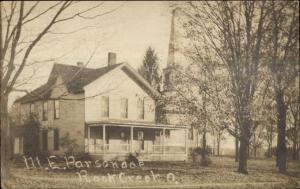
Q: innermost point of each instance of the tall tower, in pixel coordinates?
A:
(171, 115)
(169, 71)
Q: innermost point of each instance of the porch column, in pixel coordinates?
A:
(89, 135)
(163, 141)
(103, 138)
(131, 138)
(186, 137)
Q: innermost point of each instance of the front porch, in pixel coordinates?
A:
(151, 142)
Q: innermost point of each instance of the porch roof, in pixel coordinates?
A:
(127, 123)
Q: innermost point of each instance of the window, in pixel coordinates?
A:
(157, 140)
(105, 106)
(141, 108)
(191, 134)
(31, 108)
(56, 109)
(56, 139)
(124, 108)
(45, 111)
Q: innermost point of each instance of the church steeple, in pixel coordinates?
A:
(168, 72)
(171, 52)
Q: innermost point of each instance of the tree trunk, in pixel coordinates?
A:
(236, 146)
(248, 151)
(254, 145)
(214, 143)
(243, 157)
(270, 143)
(204, 144)
(218, 144)
(5, 138)
(295, 149)
(281, 125)
(269, 149)
(295, 141)
(244, 142)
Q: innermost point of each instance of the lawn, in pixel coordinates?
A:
(221, 174)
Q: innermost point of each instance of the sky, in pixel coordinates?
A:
(128, 31)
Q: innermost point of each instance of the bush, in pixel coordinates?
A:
(69, 145)
(204, 152)
(206, 161)
(201, 155)
(132, 158)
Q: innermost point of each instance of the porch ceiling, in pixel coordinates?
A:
(135, 124)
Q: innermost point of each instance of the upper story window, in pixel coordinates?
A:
(104, 106)
(141, 108)
(31, 108)
(124, 107)
(56, 109)
(45, 110)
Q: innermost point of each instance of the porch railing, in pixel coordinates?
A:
(125, 148)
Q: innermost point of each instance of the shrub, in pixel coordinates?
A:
(69, 145)
(201, 155)
(132, 158)
(203, 152)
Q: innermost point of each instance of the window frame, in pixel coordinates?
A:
(191, 134)
(56, 110)
(45, 111)
(105, 110)
(141, 108)
(124, 112)
(31, 108)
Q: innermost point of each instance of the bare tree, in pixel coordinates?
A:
(283, 50)
(220, 137)
(16, 47)
(233, 32)
(293, 117)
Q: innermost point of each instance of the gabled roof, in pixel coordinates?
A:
(39, 93)
(75, 78)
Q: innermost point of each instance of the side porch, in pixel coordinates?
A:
(150, 142)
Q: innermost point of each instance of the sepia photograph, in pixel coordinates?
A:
(150, 94)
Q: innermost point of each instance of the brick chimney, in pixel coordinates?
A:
(112, 59)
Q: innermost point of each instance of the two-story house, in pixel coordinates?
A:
(109, 112)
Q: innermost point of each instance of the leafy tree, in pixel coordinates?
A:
(293, 118)
(282, 54)
(232, 32)
(149, 68)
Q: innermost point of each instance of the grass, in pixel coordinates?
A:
(221, 174)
